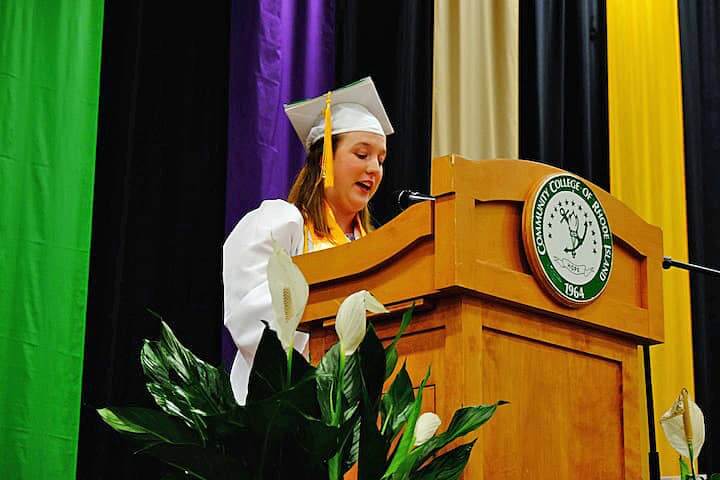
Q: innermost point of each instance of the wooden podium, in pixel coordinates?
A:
(490, 331)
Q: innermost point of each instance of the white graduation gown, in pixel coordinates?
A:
(247, 296)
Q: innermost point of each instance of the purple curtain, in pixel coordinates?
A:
(280, 51)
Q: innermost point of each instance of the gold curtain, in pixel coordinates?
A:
(647, 170)
(475, 79)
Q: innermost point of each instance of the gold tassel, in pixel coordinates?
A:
(328, 173)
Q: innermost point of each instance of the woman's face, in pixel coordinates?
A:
(358, 163)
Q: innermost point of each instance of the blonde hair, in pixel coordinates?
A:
(308, 192)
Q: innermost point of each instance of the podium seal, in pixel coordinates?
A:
(567, 239)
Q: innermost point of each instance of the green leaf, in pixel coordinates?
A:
(228, 425)
(181, 384)
(391, 359)
(281, 430)
(117, 423)
(326, 377)
(278, 418)
(199, 462)
(319, 440)
(372, 452)
(327, 381)
(391, 354)
(715, 476)
(468, 419)
(151, 423)
(372, 456)
(464, 421)
(398, 462)
(270, 422)
(305, 455)
(352, 380)
(267, 375)
(372, 369)
(448, 466)
(269, 370)
(351, 424)
(350, 441)
(281, 407)
(396, 405)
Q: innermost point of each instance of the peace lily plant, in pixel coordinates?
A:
(684, 427)
(289, 293)
(299, 421)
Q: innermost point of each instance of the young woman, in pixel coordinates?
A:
(327, 206)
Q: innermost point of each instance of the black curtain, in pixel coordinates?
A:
(158, 215)
(700, 50)
(563, 86)
(394, 45)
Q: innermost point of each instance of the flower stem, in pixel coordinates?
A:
(288, 381)
(692, 461)
(334, 464)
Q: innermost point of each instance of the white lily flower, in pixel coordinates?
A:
(289, 292)
(351, 320)
(425, 428)
(675, 431)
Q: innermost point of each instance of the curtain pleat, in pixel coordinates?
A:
(475, 79)
(158, 214)
(563, 86)
(647, 170)
(281, 51)
(700, 46)
(49, 77)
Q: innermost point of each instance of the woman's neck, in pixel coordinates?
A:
(344, 220)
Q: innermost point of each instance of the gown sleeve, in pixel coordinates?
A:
(246, 293)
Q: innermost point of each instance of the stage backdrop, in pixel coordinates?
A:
(159, 209)
(700, 46)
(49, 75)
(160, 201)
(563, 86)
(400, 62)
(647, 171)
(475, 79)
(280, 51)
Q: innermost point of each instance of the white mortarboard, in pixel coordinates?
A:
(354, 108)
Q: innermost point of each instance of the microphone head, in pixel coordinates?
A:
(401, 198)
(405, 198)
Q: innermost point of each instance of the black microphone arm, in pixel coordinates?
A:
(405, 198)
(669, 262)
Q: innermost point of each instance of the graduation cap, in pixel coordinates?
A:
(353, 108)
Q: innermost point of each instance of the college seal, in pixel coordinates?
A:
(567, 239)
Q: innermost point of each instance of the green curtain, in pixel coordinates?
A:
(49, 83)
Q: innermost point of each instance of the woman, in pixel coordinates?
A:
(344, 134)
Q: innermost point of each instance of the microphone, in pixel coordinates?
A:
(405, 198)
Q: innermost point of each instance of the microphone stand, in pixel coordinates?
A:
(653, 457)
(669, 262)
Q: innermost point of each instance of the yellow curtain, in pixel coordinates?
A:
(475, 78)
(647, 170)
